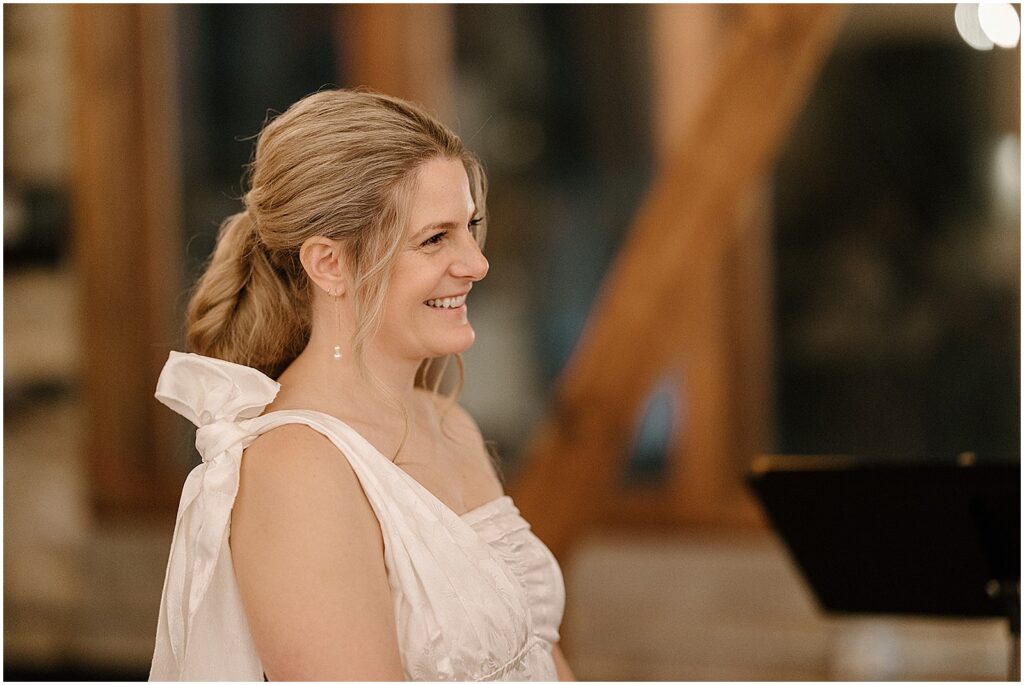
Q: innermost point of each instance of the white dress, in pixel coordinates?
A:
(476, 597)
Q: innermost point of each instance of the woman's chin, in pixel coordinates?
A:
(456, 343)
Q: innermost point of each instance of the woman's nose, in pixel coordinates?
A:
(470, 262)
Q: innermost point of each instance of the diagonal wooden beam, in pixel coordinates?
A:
(677, 239)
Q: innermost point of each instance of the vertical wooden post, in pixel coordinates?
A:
(724, 335)
(685, 43)
(127, 246)
(727, 348)
(751, 285)
(402, 50)
(724, 340)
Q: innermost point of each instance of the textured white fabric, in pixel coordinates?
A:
(476, 597)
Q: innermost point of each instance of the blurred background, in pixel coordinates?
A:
(717, 231)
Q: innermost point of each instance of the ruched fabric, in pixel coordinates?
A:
(499, 524)
(476, 597)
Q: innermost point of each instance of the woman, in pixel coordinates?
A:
(365, 534)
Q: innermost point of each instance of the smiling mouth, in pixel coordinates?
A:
(447, 302)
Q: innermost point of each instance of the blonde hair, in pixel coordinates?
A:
(340, 164)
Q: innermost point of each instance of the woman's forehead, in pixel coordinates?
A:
(441, 193)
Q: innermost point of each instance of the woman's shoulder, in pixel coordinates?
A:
(296, 442)
(294, 465)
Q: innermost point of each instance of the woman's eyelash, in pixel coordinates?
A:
(435, 239)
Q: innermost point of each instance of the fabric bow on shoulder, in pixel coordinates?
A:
(219, 397)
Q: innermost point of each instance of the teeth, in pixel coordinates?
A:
(447, 302)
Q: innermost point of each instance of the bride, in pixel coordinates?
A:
(346, 522)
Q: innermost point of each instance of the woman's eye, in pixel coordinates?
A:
(434, 239)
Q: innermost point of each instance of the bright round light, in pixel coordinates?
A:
(1000, 23)
(966, 16)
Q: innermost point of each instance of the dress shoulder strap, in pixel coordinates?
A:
(226, 401)
(220, 398)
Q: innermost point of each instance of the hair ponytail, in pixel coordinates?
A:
(241, 309)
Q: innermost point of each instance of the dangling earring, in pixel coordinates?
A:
(337, 312)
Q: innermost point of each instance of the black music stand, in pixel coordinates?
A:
(887, 537)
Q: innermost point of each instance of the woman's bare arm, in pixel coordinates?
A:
(308, 554)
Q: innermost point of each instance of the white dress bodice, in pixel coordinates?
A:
(476, 596)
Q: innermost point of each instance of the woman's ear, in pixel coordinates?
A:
(324, 262)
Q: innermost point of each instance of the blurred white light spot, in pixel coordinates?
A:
(868, 650)
(15, 216)
(1006, 174)
(967, 23)
(1000, 23)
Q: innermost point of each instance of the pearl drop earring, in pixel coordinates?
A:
(337, 310)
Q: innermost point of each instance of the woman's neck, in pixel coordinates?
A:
(320, 379)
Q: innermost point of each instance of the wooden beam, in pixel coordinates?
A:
(127, 247)
(727, 344)
(685, 45)
(402, 50)
(750, 284)
(677, 241)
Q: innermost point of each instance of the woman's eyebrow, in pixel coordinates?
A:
(449, 225)
(436, 225)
